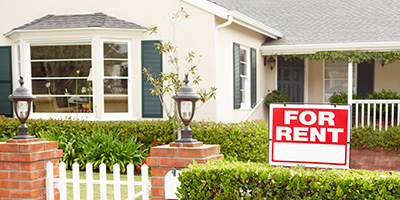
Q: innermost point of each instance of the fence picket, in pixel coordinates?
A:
(75, 181)
(49, 181)
(89, 181)
(63, 182)
(103, 183)
(117, 186)
(131, 180)
(145, 182)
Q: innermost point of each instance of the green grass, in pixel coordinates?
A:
(96, 187)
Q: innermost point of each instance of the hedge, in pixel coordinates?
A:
(238, 180)
(245, 141)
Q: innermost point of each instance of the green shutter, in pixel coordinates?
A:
(151, 58)
(253, 79)
(5, 81)
(237, 95)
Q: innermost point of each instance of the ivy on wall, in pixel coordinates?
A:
(384, 58)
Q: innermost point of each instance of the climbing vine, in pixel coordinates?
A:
(384, 58)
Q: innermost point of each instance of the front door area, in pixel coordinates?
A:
(291, 78)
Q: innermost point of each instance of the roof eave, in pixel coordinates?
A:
(313, 48)
(238, 18)
(22, 31)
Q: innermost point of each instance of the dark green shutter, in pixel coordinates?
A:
(151, 58)
(253, 79)
(5, 81)
(237, 95)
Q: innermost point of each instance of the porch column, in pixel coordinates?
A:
(350, 83)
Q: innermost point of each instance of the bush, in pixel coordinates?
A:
(226, 180)
(245, 141)
(276, 96)
(367, 137)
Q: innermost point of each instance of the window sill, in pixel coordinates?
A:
(245, 109)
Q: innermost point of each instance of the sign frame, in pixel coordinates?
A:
(291, 153)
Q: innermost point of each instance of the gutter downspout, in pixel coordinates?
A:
(216, 46)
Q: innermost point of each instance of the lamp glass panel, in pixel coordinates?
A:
(186, 110)
(22, 109)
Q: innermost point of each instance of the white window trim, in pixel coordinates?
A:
(116, 116)
(28, 75)
(247, 90)
(354, 79)
(17, 61)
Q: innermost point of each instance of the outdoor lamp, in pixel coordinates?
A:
(271, 62)
(22, 101)
(186, 100)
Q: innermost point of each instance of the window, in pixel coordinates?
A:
(335, 78)
(245, 77)
(115, 76)
(244, 73)
(59, 76)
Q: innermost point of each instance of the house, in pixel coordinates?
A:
(92, 53)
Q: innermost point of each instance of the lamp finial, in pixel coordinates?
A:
(186, 79)
(21, 81)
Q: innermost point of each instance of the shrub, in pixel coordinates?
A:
(237, 180)
(276, 96)
(367, 137)
(245, 141)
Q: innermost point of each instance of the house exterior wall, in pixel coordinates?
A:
(315, 81)
(195, 34)
(387, 77)
(265, 77)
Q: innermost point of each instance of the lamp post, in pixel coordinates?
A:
(186, 99)
(22, 103)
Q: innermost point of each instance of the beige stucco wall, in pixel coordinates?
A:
(195, 34)
(387, 77)
(265, 77)
(315, 81)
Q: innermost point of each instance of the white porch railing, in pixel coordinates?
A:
(61, 182)
(376, 113)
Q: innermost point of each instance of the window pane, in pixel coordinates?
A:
(115, 68)
(60, 69)
(242, 55)
(115, 86)
(336, 73)
(63, 104)
(115, 104)
(61, 86)
(115, 50)
(61, 52)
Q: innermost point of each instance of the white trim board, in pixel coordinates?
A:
(313, 48)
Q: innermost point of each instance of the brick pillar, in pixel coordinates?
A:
(178, 155)
(23, 168)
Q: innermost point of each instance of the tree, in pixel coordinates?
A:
(166, 84)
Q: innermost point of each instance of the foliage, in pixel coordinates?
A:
(384, 58)
(244, 141)
(367, 137)
(383, 95)
(237, 180)
(112, 147)
(276, 96)
(168, 83)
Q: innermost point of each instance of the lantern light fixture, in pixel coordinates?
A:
(271, 62)
(22, 103)
(186, 101)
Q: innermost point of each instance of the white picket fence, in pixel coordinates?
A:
(377, 113)
(61, 182)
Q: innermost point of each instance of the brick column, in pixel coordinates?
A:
(23, 168)
(178, 155)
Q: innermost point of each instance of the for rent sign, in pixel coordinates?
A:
(310, 135)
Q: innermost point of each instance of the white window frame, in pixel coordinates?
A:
(28, 74)
(17, 61)
(345, 66)
(245, 89)
(121, 115)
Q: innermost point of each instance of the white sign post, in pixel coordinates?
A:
(309, 135)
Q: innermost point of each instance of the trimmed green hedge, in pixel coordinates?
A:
(367, 137)
(237, 180)
(247, 141)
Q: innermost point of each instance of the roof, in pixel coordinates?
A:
(78, 21)
(323, 21)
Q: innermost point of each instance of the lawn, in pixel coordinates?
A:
(96, 187)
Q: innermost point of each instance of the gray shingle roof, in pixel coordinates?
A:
(324, 21)
(78, 21)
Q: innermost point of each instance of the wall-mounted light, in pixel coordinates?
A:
(271, 62)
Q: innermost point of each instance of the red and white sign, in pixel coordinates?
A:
(309, 135)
